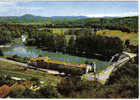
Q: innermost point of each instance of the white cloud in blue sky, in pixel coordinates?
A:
(91, 9)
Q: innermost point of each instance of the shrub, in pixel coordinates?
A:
(1, 54)
(70, 86)
(6, 80)
(35, 81)
(61, 68)
(49, 92)
(16, 92)
(31, 94)
(128, 70)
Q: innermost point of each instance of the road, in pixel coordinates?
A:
(105, 74)
(101, 77)
(28, 66)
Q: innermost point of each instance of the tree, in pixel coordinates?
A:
(1, 54)
(17, 92)
(36, 81)
(127, 42)
(49, 92)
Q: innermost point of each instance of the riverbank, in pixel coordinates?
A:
(71, 84)
(29, 52)
(28, 66)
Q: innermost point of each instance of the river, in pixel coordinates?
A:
(31, 51)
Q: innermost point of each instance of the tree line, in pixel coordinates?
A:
(9, 32)
(86, 45)
(126, 24)
(80, 42)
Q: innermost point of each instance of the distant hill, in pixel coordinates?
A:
(68, 17)
(120, 23)
(32, 18)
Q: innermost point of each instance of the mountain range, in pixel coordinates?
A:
(29, 18)
(32, 18)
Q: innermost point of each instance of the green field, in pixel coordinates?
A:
(133, 37)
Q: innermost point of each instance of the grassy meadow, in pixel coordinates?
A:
(133, 37)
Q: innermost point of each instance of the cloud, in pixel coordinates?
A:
(112, 15)
(51, 9)
(14, 9)
(7, 4)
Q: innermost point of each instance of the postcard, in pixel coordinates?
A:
(69, 49)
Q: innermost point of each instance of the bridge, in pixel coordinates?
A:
(103, 76)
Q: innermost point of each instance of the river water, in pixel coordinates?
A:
(30, 51)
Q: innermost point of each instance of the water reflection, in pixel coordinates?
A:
(30, 51)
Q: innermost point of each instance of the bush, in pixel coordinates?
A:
(17, 92)
(18, 58)
(6, 80)
(31, 94)
(70, 86)
(35, 81)
(61, 68)
(49, 92)
(122, 83)
(128, 70)
(1, 54)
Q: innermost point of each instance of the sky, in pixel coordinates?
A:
(90, 9)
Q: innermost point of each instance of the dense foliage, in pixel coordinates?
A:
(6, 80)
(12, 27)
(41, 64)
(127, 24)
(18, 59)
(10, 31)
(86, 45)
(44, 92)
(60, 68)
(1, 54)
(122, 84)
(72, 41)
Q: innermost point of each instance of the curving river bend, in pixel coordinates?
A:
(30, 51)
